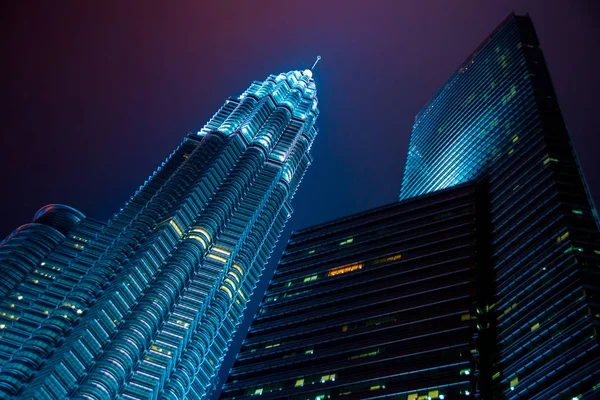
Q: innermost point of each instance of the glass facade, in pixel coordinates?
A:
(380, 304)
(497, 120)
(145, 306)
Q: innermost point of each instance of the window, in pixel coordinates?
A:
(344, 269)
(347, 241)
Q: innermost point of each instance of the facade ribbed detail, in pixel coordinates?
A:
(497, 120)
(166, 281)
(375, 305)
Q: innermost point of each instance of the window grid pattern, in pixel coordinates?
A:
(497, 120)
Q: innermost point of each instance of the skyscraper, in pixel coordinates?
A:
(494, 124)
(497, 119)
(145, 305)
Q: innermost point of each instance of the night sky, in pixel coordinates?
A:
(95, 96)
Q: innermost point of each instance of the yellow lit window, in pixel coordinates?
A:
(547, 160)
(562, 237)
(239, 269)
(222, 251)
(198, 238)
(226, 290)
(535, 326)
(231, 282)
(216, 257)
(395, 257)
(515, 139)
(203, 232)
(327, 378)
(465, 317)
(176, 227)
(433, 394)
(299, 383)
(344, 269)
(310, 278)
(514, 382)
(496, 375)
(271, 345)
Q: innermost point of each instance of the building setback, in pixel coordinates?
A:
(494, 124)
(145, 305)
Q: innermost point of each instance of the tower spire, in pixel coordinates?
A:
(315, 64)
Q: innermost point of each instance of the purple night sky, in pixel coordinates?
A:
(97, 94)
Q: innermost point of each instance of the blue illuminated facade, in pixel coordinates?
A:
(497, 120)
(145, 305)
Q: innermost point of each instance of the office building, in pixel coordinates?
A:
(378, 304)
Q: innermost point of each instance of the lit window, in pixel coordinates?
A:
(514, 382)
(347, 241)
(299, 383)
(258, 391)
(203, 232)
(344, 269)
(562, 237)
(327, 378)
(239, 269)
(216, 257)
(222, 251)
(465, 317)
(535, 326)
(176, 227)
(310, 278)
(226, 290)
(395, 257)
